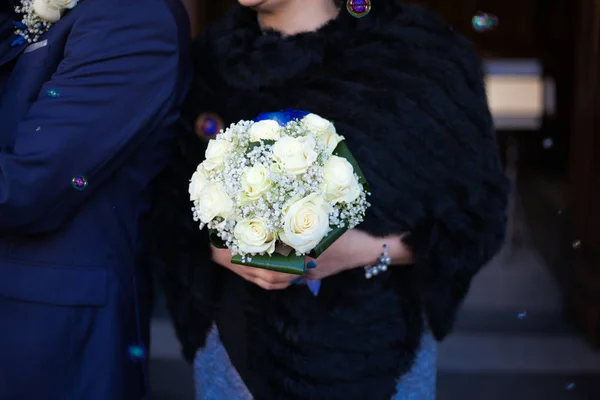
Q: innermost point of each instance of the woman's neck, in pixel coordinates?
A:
(298, 16)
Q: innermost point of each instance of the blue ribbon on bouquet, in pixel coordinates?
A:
(313, 285)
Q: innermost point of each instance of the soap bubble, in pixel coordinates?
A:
(136, 352)
(548, 143)
(483, 22)
(358, 8)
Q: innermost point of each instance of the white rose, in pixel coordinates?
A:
(265, 130)
(295, 155)
(316, 123)
(215, 153)
(254, 237)
(323, 130)
(329, 140)
(255, 181)
(52, 10)
(64, 4)
(341, 185)
(306, 223)
(213, 202)
(198, 182)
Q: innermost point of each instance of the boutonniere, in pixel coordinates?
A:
(38, 17)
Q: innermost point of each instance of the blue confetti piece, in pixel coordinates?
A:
(522, 315)
(19, 25)
(314, 286)
(136, 352)
(570, 386)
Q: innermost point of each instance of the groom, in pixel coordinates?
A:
(86, 118)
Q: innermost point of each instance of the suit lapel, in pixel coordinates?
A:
(9, 49)
(8, 19)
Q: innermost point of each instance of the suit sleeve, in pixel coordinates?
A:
(116, 85)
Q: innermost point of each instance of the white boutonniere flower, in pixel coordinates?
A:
(38, 17)
(52, 10)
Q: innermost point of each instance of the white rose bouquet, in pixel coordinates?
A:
(277, 189)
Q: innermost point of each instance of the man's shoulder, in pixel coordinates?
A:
(136, 11)
(144, 6)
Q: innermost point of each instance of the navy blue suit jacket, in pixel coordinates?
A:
(86, 120)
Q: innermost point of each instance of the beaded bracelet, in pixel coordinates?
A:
(383, 262)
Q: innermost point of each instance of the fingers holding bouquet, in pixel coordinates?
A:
(266, 279)
(274, 191)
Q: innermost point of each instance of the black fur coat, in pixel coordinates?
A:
(407, 93)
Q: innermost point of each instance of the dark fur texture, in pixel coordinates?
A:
(407, 93)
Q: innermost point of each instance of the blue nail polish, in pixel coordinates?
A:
(311, 265)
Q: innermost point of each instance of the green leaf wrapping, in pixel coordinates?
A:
(215, 240)
(291, 264)
(327, 241)
(256, 144)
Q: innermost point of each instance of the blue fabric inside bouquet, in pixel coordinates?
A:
(282, 117)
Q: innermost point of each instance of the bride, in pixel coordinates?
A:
(407, 93)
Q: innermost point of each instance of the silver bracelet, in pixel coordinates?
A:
(383, 262)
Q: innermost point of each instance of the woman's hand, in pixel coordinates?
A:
(269, 280)
(355, 249)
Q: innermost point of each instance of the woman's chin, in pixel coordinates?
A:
(252, 3)
(263, 5)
